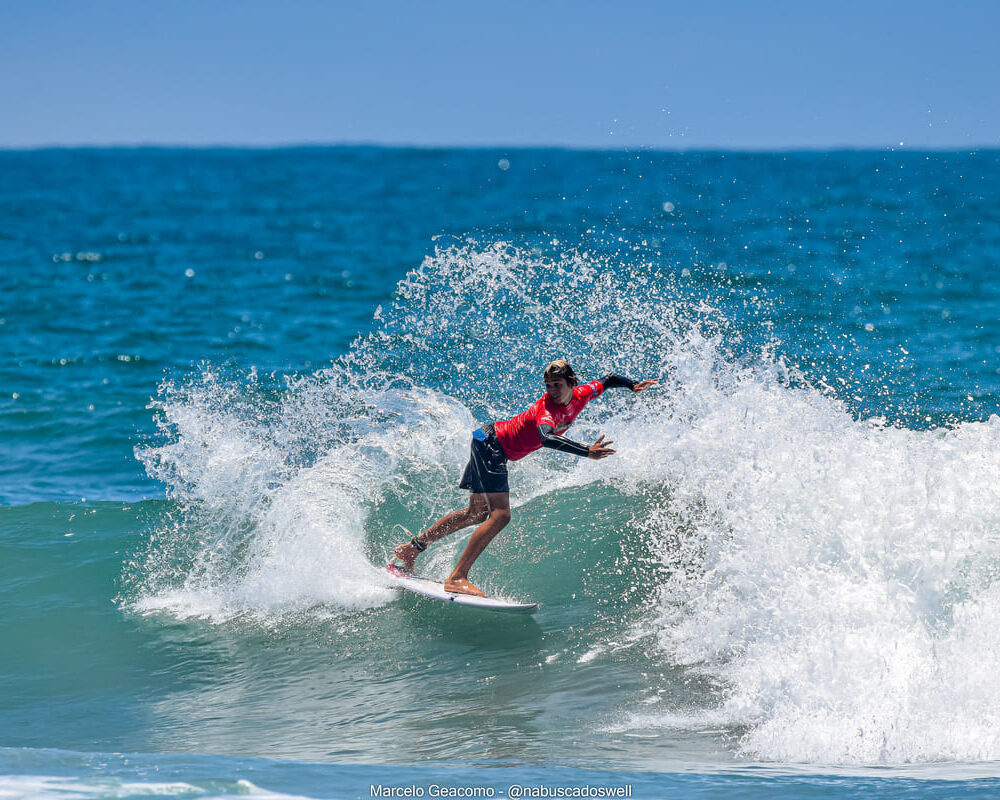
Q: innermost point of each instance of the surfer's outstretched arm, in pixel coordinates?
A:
(555, 441)
(615, 380)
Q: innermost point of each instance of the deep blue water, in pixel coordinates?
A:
(227, 376)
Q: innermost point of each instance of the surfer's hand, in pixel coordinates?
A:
(600, 449)
(641, 385)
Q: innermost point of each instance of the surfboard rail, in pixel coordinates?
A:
(436, 591)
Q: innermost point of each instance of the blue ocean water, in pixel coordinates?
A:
(228, 377)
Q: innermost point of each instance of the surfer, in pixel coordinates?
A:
(493, 445)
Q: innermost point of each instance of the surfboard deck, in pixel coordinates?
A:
(435, 590)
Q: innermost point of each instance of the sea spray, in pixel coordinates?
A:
(828, 577)
(274, 488)
(273, 524)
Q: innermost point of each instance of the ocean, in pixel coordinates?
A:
(231, 380)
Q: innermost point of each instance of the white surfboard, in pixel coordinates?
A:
(435, 590)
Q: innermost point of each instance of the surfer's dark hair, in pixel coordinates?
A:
(560, 368)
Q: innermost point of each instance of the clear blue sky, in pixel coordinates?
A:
(755, 75)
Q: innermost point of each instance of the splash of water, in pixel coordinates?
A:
(832, 578)
(273, 490)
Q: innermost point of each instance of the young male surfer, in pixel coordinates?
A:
(493, 445)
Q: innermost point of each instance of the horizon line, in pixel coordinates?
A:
(318, 144)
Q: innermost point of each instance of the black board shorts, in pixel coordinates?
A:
(487, 468)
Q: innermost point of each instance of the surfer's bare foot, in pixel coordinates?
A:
(407, 554)
(462, 586)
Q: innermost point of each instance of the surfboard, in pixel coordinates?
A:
(435, 590)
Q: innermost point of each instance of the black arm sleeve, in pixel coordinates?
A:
(613, 380)
(552, 439)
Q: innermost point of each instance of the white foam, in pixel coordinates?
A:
(266, 536)
(46, 787)
(834, 575)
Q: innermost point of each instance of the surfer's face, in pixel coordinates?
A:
(559, 390)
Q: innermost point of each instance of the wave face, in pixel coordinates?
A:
(792, 558)
(831, 577)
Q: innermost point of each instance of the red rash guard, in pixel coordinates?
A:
(519, 436)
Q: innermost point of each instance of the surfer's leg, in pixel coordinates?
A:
(476, 512)
(499, 516)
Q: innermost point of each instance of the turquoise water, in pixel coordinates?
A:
(228, 377)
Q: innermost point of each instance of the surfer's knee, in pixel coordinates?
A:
(501, 515)
(477, 514)
(478, 510)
